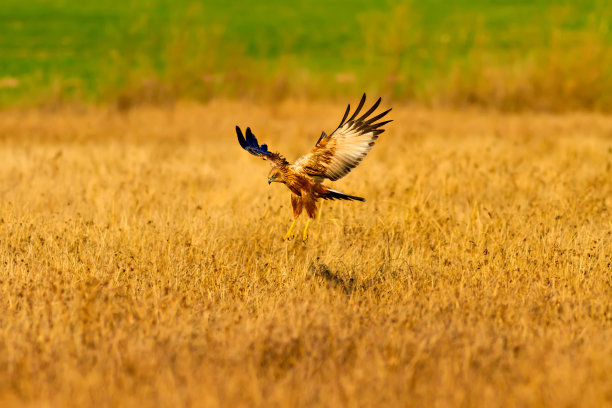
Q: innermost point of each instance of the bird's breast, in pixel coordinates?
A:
(296, 182)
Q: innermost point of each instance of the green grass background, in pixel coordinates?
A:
(510, 55)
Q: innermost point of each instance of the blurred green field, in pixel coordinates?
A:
(511, 55)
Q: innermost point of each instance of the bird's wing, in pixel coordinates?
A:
(335, 155)
(251, 145)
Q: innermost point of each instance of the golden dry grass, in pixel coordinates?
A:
(142, 262)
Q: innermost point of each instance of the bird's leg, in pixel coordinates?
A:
(288, 234)
(305, 236)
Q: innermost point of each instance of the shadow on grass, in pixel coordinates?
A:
(333, 280)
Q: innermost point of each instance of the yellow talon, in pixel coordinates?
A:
(288, 234)
(305, 237)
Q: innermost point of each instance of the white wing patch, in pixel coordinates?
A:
(350, 148)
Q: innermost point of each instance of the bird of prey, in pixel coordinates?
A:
(333, 157)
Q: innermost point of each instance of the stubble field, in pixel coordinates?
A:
(142, 261)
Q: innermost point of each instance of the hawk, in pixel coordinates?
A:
(333, 157)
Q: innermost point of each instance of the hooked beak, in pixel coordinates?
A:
(271, 179)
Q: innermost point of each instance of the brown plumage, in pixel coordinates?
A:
(333, 157)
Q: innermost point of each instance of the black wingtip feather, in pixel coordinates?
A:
(250, 138)
(379, 116)
(377, 125)
(369, 112)
(361, 103)
(348, 109)
(241, 139)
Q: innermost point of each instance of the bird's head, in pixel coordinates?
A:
(275, 175)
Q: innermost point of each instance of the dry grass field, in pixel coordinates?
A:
(142, 262)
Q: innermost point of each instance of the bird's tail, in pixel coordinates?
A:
(330, 194)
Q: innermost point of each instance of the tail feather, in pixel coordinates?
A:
(337, 195)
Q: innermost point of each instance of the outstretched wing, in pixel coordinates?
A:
(251, 145)
(334, 156)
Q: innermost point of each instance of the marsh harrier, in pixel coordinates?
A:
(332, 158)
